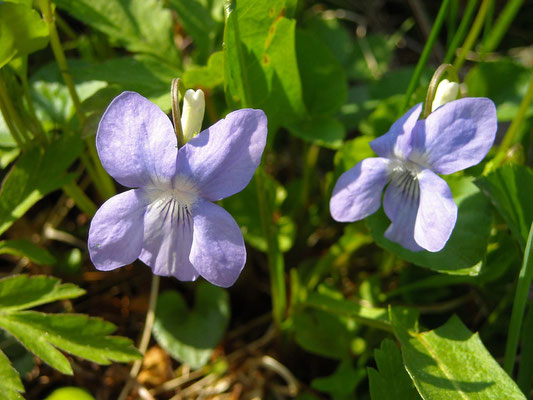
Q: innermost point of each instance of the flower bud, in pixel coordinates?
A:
(193, 113)
(446, 91)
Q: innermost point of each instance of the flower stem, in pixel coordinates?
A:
(472, 35)
(441, 16)
(145, 338)
(11, 116)
(276, 264)
(176, 118)
(444, 69)
(521, 295)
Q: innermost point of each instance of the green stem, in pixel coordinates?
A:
(12, 129)
(452, 19)
(311, 159)
(100, 178)
(276, 262)
(83, 202)
(525, 370)
(522, 290)
(59, 54)
(472, 35)
(444, 69)
(145, 338)
(38, 126)
(502, 24)
(512, 132)
(461, 31)
(11, 113)
(441, 16)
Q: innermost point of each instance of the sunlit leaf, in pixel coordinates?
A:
(142, 26)
(10, 383)
(25, 248)
(390, 381)
(22, 30)
(510, 189)
(451, 362)
(35, 174)
(76, 334)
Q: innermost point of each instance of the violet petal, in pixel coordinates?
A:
(397, 141)
(218, 252)
(455, 136)
(400, 203)
(115, 234)
(357, 193)
(168, 235)
(222, 159)
(136, 141)
(437, 212)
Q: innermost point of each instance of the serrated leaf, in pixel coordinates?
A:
(510, 189)
(142, 26)
(390, 381)
(25, 248)
(22, 31)
(76, 334)
(10, 383)
(22, 291)
(467, 245)
(191, 335)
(451, 362)
(35, 174)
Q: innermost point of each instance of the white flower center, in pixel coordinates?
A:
(177, 197)
(405, 177)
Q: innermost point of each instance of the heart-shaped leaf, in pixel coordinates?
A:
(191, 335)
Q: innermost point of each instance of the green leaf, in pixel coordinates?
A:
(510, 189)
(197, 20)
(76, 334)
(142, 26)
(485, 80)
(451, 362)
(323, 78)
(35, 174)
(323, 130)
(390, 381)
(10, 383)
(467, 245)
(25, 248)
(142, 74)
(314, 330)
(261, 69)
(244, 207)
(210, 76)
(22, 291)
(368, 315)
(22, 31)
(191, 335)
(342, 382)
(69, 393)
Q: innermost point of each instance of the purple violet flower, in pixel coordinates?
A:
(418, 202)
(168, 220)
